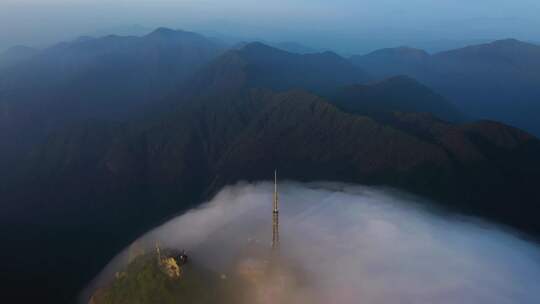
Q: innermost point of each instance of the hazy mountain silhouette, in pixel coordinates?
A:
(111, 77)
(395, 94)
(257, 65)
(387, 62)
(15, 55)
(123, 30)
(498, 80)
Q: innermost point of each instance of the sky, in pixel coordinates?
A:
(347, 26)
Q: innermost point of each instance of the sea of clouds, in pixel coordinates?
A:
(356, 244)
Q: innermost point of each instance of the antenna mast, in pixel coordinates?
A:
(275, 216)
(276, 207)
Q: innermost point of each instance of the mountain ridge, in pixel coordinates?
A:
(394, 94)
(257, 65)
(110, 78)
(497, 80)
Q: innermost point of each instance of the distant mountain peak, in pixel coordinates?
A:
(513, 43)
(508, 48)
(167, 33)
(257, 46)
(163, 31)
(330, 54)
(402, 51)
(20, 48)
(508, 41)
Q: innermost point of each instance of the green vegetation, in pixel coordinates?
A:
(143, 281)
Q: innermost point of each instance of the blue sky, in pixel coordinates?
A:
(348, 26)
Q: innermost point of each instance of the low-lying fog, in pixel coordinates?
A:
(357, 245)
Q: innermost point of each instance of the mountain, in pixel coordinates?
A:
(257, 65)
(112, 78)
(154, 62)
(15, 55)
(288, 46)
(387, 62)
(125, 30)
(497, 80)
(395, 94)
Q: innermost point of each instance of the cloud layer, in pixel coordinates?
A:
(357, 245)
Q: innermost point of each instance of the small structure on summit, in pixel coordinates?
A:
(171, 264)
(181, 258)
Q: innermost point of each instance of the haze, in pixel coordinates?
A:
(356, 243)
(347, 26)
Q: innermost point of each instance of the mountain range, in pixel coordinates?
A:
(498, 80)
(103, 138)
(109, 78)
